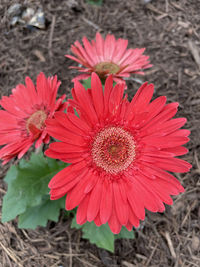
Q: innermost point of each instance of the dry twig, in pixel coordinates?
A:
(51, 35)
(170, 244)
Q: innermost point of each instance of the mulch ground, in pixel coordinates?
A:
(170, 30)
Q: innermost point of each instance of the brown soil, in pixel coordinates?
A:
(170, 31)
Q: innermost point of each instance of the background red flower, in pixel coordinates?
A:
(109, 56)
(22, 122)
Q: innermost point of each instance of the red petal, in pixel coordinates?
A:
(76, 195)
(81, 77)
(91, 183)
(133, 218)
(174, 165)
(94, 202)
(84, 54)
(107, 91)
(166, 127)
(90, 51)
(61, 191)
(167, 113)
(78, 122)
(150, 199)
(42, 87)
(85, 102)
(67, 148)
(116, 98)
(140, 100)
(62, 118)
(97, 220)
(113, 222)
(109, 47)
(81, 214)
(154, 108)
(106, 202)
(59, 132)
(66, 175)
(165, 141)
(129, 226)
(136, 200)
(120, 204)
(97, 94)
(99, 46)
(162, 174)
(120, 49)
(177, 151)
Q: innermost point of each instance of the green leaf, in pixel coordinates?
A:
(27, 184)
(86, 83)
(95, 2)
(11, 174)
(125, 234)
(100, 236)
(39, 215)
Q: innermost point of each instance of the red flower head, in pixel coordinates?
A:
(120, 153)
(109, 56)
(26, 110)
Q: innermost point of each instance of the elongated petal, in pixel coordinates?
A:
(120, 204)
(81, 215)
(97, 94)
(94, 202)
(66, 175)
(106, 202)
(85, 102)
(113, 222)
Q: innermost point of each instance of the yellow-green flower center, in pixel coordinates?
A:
(103, 68)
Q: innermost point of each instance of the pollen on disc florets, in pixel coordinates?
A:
(103, 68)
(113, 149)
(35, 122)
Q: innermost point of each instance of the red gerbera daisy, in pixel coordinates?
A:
(23, 120)
(120, 153)
(109, 56)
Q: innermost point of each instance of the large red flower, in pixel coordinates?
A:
(120, 153)
(26, 110)
(109, 56)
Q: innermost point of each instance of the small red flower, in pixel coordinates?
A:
(120, 154)
(26, 110)
(109, 56)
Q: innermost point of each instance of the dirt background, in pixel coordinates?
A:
(170, 30)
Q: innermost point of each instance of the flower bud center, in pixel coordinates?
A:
(103, 68)
(35, 123)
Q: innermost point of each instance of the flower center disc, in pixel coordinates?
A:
(113, 149)
(103, 68)
(35, 123)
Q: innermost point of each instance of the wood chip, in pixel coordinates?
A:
(177, 6)
(39, 55)
(195, 243)
(128, 264)
(188, 212)
(170, 244)
(91, 23)
(154, 9)
(51, 35)
(184, 24)
(12, 255)
(195, 52)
